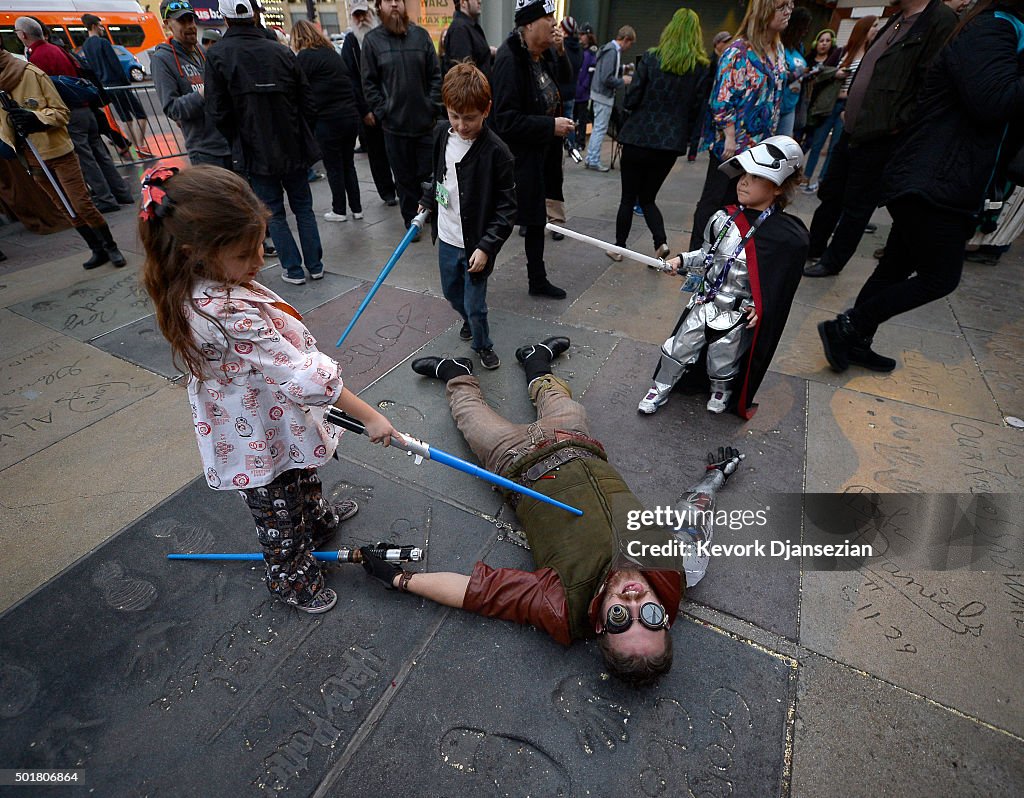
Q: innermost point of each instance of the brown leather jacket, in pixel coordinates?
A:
(537, 597)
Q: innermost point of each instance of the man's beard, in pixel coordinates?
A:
(395, 24)
(361, 29)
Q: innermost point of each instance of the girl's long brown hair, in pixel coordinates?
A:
(211, 209)
(858, 39)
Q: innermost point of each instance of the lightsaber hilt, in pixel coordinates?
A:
(654, 263)
(406, 443)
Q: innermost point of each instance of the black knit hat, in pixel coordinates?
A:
(528, 11)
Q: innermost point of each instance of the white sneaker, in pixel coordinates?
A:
(719, 401)
(331, 216)
(357, 215)
(655, 398)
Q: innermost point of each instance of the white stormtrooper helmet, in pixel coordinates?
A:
(775, 159)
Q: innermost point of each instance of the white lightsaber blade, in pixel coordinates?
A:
(654, 263)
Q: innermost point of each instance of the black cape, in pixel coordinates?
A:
(775, 261)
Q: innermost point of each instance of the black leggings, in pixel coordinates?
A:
(924, 257)
(534, 246)
(719, 191)
(643, 173)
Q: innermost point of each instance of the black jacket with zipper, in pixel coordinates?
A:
(260, 101)
(487, 192)
(890, 100)
(971, 110)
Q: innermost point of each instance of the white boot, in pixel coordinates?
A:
(656, 396)
(720, 396)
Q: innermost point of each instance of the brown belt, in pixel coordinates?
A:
(557, 458)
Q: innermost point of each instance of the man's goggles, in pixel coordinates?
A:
(652, 615)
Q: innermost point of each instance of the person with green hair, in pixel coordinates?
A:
(664, 103)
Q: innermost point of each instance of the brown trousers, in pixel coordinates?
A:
(69, 174)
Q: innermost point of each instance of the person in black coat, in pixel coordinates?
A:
(527, 110)
(337, 121)
(664, 103)
(465, 39)
(260, 100)
(971, 105)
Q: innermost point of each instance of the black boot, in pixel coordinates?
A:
(99, 254)
(107, 239)
(536, 358)
(844, 345)
(444, 368)
(539, 285)
(860, 353)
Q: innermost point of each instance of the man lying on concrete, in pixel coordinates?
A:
(586, 584)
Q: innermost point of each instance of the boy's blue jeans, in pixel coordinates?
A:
(467, 295)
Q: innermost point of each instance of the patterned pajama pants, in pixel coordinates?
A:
(290, 513)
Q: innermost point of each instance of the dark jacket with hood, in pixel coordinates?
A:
(260, 101)
(971, 110)
(891, 98)
(466, 39)
(402, 80)
(487, 192)
(178, 77)
(520, 118)
(664, 108)
(574, 52)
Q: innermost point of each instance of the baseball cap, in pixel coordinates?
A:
(211, 35)
(237, 9)
(359, 5)
(176, 9)
(775, 159)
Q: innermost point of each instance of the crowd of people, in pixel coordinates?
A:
(920, 111)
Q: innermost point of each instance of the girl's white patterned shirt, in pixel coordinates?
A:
(259, 409)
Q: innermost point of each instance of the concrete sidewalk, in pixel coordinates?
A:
(900, 676)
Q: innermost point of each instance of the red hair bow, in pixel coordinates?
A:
(155, 201)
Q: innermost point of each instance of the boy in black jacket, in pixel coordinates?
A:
(472, 199)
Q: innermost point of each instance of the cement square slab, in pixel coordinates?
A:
(58, 388)
(496, 710)
(857, 736)
(88, 310)
(141, 343)
(417, 405)
(313, 293)
(21, 333)
(893, 447)
(661, 456)
(933, 370)
(393, 326)
(990, 299)
(1001, 358)
(87, 496)
(61, 272)
(188, 674)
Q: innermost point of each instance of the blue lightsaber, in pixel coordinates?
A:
(415, 226)
(386, 552)
(422, 450)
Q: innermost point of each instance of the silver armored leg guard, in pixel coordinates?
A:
(668, 373)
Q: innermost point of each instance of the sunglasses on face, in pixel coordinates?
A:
(618, 620)
(177, 5)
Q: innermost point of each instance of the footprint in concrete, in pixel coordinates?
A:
(402, 417)
(504, 765)
(18, 690)
(185, 538)
(122, 592)
(363, 494)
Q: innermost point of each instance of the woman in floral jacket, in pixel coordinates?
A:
(745, 101)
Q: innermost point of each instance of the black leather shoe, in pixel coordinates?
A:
(556, 236)
(556, 345)
(466, 332)
(443, 368)
(834, 344)
(870, 228)
(548, 290)
(818, 270)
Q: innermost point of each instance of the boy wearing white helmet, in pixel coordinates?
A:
(743, 281)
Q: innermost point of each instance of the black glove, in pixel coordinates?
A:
(382, 569)
(726, 460)
(26, 122)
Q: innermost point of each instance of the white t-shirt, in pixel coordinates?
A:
(449, 220)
